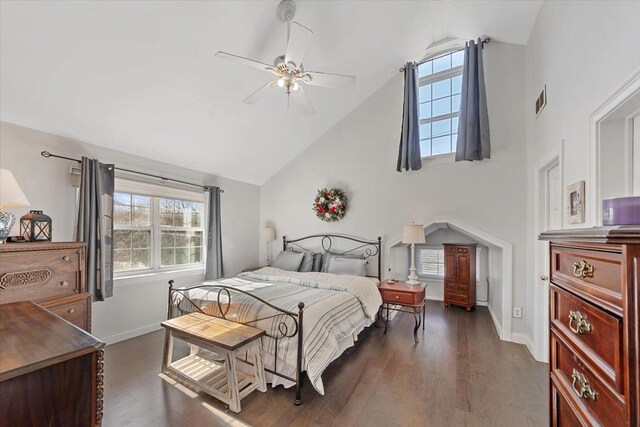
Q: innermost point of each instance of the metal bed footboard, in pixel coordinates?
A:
(223, 304)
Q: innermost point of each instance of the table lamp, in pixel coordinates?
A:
(268, 235)
(412, 234)
(10, 195)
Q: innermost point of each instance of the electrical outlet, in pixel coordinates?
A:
(517, 312)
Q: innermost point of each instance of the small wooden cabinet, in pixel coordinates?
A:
(51, 274)
(460, 275)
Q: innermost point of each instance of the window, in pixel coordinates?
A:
(431, 262)
(153, 233)
(440, 84)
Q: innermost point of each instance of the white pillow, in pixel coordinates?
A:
(288, 260)
(352, 266)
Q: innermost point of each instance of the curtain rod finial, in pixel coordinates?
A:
(45, 154)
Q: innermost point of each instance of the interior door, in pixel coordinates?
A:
(550, 219)
(635, 129)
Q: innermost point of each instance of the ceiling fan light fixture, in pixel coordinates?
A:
(280, 82)
(295, 87)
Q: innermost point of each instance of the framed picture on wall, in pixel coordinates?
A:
(575, 203)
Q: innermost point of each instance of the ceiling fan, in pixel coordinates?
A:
(289, 73)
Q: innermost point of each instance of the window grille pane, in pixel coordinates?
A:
(424, 93)
(441, 127)
(454, 124)
(441, 88)
(441, 107)
(425, 147)
(441, 145)
(181, 247)
(425, 110)
(457, 58)
(441, 64)
(122, 260)
(122, 239)
(167, 257)
(140, 216)
(456, 85)
(425, 69)
(121, 214)
(140, 259)
(455, 103)
(425, 131)
(431, 262)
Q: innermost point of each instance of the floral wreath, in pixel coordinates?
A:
(330, 204)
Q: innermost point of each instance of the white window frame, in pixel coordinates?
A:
(441, 248)
(156, 192)
(433, 78)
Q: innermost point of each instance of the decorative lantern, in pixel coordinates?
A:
(36, 227)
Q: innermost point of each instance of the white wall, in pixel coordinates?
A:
(359, 154)
(138, 305)
(581, 51)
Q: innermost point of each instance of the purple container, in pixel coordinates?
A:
(621, 211)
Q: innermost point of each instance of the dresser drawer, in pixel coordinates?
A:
(583, 386)
(57, 261)
(592, 274)
(399, 297)
(74, 310)
(598, 334)
(37, 285)
(456, 296)
(562, 412)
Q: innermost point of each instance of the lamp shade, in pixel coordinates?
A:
(10, 192)
(413, 233)
(268, 234)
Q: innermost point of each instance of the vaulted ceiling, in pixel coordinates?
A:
(141, 77)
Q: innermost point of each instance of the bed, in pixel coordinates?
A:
(310, 318)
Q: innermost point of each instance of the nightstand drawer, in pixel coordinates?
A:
(399, 297)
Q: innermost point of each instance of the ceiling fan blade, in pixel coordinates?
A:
(301, 99)
(257, 95)
(246, 61)
(317, 78)
(299, 38)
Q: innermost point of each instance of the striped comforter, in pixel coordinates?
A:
(337, 308)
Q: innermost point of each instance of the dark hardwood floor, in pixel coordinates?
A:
(460, 374)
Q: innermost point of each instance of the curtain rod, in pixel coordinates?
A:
(485, 41)
(204, 187)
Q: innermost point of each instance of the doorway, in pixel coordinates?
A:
(548, 217)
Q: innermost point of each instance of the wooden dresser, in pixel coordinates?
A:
(51, 373)
(50, 274)
(594, 338)
(460, 275)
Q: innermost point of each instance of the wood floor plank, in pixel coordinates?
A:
(459, 374)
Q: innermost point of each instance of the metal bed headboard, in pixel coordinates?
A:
(368, 248)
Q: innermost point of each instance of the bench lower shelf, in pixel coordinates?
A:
(210, 376)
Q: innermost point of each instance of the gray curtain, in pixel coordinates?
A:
(409, 157)
(473, 127)
(95, 225)
(213, 269)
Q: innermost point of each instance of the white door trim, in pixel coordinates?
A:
(619, 96)
(540, 297)
(504, 330)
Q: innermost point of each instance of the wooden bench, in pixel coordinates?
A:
(219, 379)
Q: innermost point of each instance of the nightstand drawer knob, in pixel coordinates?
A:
(64, 283)
(71, 310)
(66, 258)
(397, 297)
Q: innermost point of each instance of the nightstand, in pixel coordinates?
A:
(404, 298)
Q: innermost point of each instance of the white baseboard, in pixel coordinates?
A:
(521, 338)
(121, 336)
(496, 324)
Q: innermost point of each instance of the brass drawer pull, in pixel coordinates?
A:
(66, 258)
(397, 297)
(584, 390)
(71, 310)
(583, 269)
(64, 283)
(582, 326)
